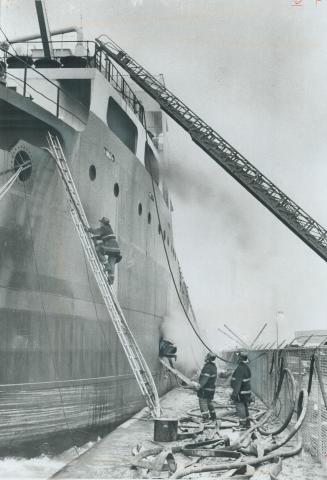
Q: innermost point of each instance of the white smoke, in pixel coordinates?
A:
(190, 351)
(136, 3)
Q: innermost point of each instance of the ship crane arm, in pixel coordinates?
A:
(266, 192)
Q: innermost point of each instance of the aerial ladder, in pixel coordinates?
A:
(287, 211)
(133, 353)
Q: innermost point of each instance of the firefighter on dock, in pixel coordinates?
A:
(207, 386)
(241, 385)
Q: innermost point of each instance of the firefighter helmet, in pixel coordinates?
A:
(104, 220)
(210, 357)
(242, 357)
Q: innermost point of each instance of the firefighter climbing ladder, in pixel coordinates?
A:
(296, 219)
(134, 355)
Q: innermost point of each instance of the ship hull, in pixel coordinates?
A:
(62, 366)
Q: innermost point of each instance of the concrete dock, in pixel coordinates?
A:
(110, 457)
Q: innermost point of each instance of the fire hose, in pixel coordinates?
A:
(165, 459)
(302, 408)
(320, 380)
(195, 450)
(288, 418)
(229, 466)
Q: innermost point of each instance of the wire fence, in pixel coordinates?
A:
(300, 361)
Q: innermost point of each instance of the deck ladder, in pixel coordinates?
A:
(133, 353)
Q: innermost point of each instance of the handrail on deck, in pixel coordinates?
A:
(26, 66)
(95, 58)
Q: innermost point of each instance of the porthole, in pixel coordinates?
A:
(149, 218)
(116, 189)
(92, 172)
(140, 208)
(21, 158)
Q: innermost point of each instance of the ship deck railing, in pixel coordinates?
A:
(94, 57)
(21, 84)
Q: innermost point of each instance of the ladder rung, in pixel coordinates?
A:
(130, 347)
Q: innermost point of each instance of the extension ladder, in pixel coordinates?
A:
(285, 209)
(134, 355)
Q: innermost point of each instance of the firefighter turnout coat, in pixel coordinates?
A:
(108, 244)
(207, 380)
(241, 383)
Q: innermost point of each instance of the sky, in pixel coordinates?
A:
(256, 72)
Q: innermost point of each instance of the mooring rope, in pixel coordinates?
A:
(7, 186)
